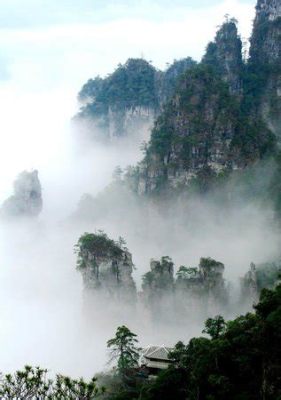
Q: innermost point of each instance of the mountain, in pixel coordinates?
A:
(264, 67)
(128, 100)
(207, 119)
(225, 114)
(224, 54)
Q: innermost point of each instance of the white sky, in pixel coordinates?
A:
(50, 43)
(49, 48)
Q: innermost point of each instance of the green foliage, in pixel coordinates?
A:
(160, 277)
(98, 245)
(171, 77)
(214, 327)
(209, 264)
(136, 83)
(124, 350)
(26, 384)
(32, 383)
(91, 89)
(241, 360)
(129, 86)
(226, 42)
(203, 107)
(268, 275)
(186, 273)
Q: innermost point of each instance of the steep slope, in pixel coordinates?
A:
(27, 198)
(205, 129)
(122, 102)
(225, 56)
(128, 101)
(264, 71)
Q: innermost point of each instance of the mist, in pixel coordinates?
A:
(42, 315)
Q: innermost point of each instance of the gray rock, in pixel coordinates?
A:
(265, 62)
(27, 198)
(106, 267)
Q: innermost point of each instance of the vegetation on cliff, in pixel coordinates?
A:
(129, 97)
(207, 128)
(129, 86)
(240, 360)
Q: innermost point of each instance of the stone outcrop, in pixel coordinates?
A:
(167, 80)
(268, 9)
(160, 279)
(27, 198)
(260, 276)
(194, 289)
(122, 104)
(223, 116)
(195, 133)
(106, 267)
(265, 64)
(249, 285)
(204, 287)
(211, 272)
(158, 289)
(225, 56)
(126, 103)
(129, 121)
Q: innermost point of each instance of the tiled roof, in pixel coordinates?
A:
(157, 352)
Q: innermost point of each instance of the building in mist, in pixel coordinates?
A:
(155, 359)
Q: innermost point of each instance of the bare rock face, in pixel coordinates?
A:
(106, 267)
(128, 121)
(27, 198)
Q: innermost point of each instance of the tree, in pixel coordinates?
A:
(186, 273)
(215, 326)
(117, 174)
(124, 350)
(71, 389)
(32, 383)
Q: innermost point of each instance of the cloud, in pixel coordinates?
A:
(96, 45)
(49, 57)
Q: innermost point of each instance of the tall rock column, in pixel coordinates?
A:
(27, 198)
(224, 54)
(265, 64)
(106, 267)
(158, 288)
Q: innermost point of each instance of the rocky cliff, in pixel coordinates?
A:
(264, 68)
(195, 290)
(27, 198)
(208, 128)
(122, 103)
(127, 102)
(224, 54)
(106, 267)
(194, 132)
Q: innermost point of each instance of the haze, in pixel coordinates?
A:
(48, 50)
